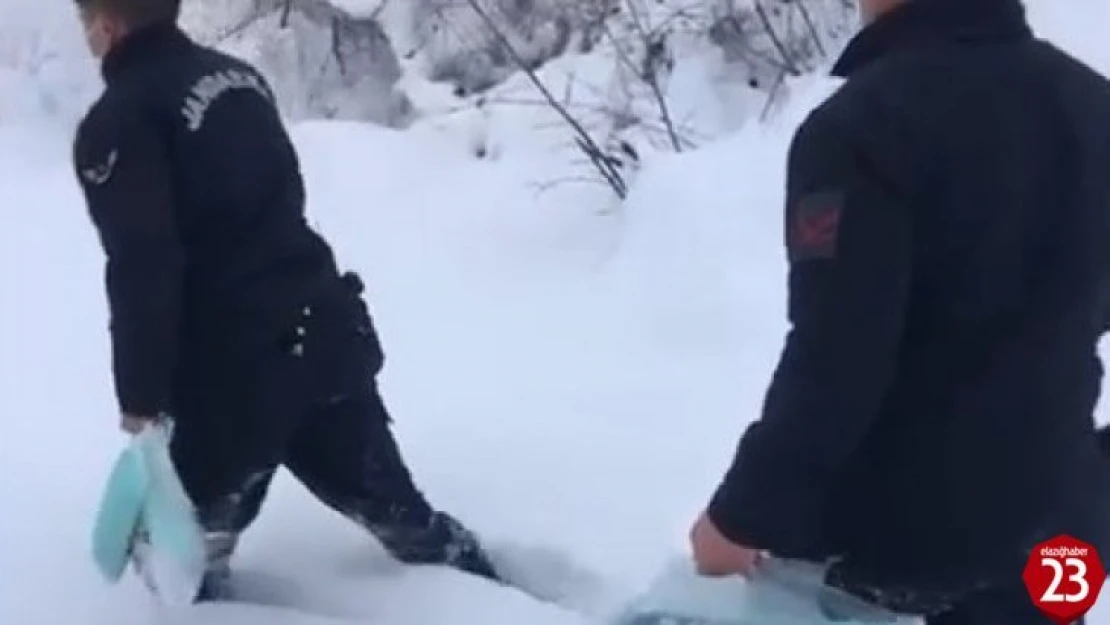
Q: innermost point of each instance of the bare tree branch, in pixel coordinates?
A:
(285, 11)
(812, 29)
(604, 164)
(648, 72)
(787, 59)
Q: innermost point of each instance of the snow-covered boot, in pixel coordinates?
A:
(444, 540)
(216, 584)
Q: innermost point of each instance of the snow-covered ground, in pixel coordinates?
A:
(568, 380)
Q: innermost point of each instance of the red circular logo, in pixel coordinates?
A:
(1064, 577)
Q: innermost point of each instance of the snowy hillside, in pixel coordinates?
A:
(568, 374)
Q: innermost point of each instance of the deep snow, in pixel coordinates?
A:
(570, 381)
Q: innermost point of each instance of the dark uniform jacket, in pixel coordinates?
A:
(948, 231)
(212, 271)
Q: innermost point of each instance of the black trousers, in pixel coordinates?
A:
(343, 452)
(296, 388)
(346, 455)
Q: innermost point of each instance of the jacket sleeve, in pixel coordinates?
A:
(1103, 434)
(124, 172)
(848, 243)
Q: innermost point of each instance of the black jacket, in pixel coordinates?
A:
(196, 192)
(948, 228)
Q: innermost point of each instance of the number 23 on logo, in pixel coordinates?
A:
(1064, 577)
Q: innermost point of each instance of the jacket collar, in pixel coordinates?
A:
(920, 22)
(144, 42)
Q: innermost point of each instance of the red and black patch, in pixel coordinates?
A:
(813, 226)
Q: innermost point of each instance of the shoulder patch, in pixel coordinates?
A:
(99, 173)
(813, 226)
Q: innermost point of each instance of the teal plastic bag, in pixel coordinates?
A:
(781, 593)
(118, 517)
(146, 519)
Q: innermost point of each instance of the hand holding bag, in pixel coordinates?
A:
(146, 518)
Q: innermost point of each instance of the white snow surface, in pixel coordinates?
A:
(567, 375)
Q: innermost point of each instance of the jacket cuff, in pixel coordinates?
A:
(139, 402)
(761, 505)
(737, 519)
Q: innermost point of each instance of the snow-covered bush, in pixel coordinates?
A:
(344, 58)
(46, 73)
(610, 79)
(453, 42)
(622, 100)
(324, 61)
(764, 42)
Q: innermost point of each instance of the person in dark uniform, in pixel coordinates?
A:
(948, 235)
(229, 315)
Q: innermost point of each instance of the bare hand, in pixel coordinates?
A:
(133, 424)
(717, 556)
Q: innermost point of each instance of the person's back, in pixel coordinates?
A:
(229, 315)
(236, 180)
(931, 418)
(1000, 149)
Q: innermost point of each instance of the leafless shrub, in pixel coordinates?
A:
(474, 45)
(460, 47)
(323, 60)
(606, 165)
(776, 39)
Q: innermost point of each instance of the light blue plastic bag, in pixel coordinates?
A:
(781, 593)
(146, 519)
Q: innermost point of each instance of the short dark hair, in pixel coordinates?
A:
(135, 12)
